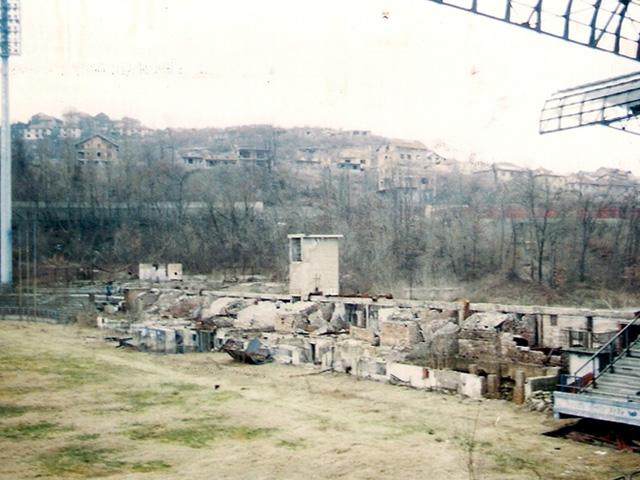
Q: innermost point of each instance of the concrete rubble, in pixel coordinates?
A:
(447, 347)
(540, 401)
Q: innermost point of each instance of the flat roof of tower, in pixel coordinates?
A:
(303, 235)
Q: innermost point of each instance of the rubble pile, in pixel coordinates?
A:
(362, 337)
(540, 401)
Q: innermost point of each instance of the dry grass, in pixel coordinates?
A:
(72, 406)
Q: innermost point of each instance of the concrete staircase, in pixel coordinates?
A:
(622, 379)
(613, 395)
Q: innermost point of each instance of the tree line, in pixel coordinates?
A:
(236, 219)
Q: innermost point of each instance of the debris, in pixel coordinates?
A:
(123, 342)
(254, 354)
(540, 401)
(326, 370)
(600, 433)
(261, 316)
(223, 307)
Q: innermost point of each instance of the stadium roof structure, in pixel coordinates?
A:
(614, 102)
(609, 25)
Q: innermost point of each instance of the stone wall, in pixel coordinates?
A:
(399, 334)
(472, 386)
(364, 334)
(546, 383)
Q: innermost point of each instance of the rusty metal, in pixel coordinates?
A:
(254, 354)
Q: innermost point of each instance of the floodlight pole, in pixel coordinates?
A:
(6, 253)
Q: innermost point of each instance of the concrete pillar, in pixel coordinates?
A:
(518, 390)
(493, 386)
(463, 311)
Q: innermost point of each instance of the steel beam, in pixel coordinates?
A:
(578, 21)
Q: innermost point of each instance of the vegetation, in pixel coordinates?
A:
(63, 371)
(235, 219)
(197, 433)
(10, 410)
(89, 461)
(165, 394)
(30, 431)
(332, 425)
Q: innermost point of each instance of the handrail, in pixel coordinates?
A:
(610, 345)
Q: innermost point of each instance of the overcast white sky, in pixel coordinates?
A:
(428, 72)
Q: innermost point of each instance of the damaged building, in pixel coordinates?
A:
(473, 349)
(478, 350)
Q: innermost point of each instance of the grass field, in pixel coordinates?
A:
(73, 406)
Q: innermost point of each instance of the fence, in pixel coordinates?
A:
(56, 316)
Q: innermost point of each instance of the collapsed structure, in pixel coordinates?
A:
(477, 350)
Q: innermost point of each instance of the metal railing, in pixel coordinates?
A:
(31, 312)
(585, 338)
(616, 348)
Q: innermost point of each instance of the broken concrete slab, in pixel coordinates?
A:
(296, 317)
(225, 306)
(364, 334)
(184, 306)
(489, 321)
(260, 316)
(399, 334)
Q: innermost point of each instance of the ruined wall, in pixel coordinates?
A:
(294, 317)
(318, 270)
(567, 331)
(496, 342)
(174, 271)
(366, 335)
(472, 386)
(399, 334)
(362, 336)
(547, 383)
(160, 272)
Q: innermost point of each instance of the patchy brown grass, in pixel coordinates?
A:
(75, 407)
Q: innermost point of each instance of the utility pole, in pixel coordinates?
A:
(9, 45)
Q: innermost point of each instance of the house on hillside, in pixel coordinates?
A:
(403, 165)
(41, 126)
(257, 155)
(75, 124)
(198, 158)
(308, 157)
(501, 174)
(130, 127)
(102, 124)
(70, 131)
(546, 179)
(97, 150)
(604, 181)
(357, 159)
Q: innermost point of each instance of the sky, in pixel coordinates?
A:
(468, 86)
